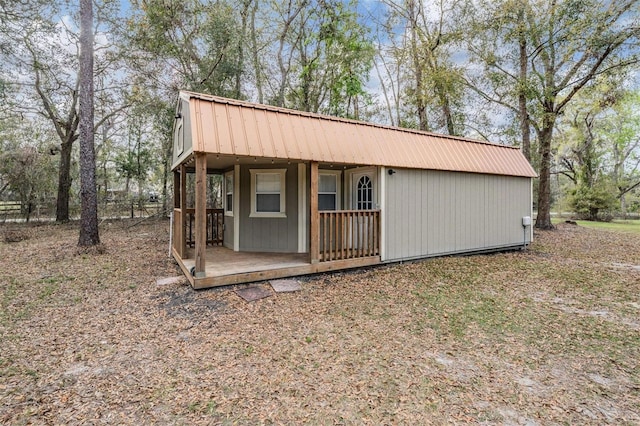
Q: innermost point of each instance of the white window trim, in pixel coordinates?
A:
(226, 192)
(338, 175)
(283, 193)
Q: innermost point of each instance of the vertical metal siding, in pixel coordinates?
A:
(434, 212)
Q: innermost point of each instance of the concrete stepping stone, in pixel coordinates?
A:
(250, 294)
(285, 286)
(170, 280)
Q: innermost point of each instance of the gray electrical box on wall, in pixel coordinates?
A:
(526, 221)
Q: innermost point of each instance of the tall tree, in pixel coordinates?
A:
(334, 57)
(422, 37)
(568, 44)
(43, 69)
(195, 45)
(502, 46)
(569, 53)
(55, 88)
(319, 56)
(89, 234)
(600, 152)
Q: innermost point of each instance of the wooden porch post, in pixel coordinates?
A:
(178, 221)
(314, 242)
(182, 248)
(201, 214)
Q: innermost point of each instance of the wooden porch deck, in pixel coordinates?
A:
(225, 267)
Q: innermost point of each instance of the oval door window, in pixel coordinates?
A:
(364, 200)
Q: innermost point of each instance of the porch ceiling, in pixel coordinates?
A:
(247, 132)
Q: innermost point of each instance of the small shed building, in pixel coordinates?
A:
(304, 193)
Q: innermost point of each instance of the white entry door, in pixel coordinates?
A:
(363, 197)
(363, 194)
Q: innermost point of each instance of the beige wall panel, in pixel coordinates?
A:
(228, 232)
(435, 212)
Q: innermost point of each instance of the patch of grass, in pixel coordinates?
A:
(19, 298)
(457, 305)
(248, 350)
(48, 291)
(632, 226)
(7, 369)
(203, 407)
(10, 313)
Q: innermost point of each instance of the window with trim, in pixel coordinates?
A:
(328, 190)
(268, 192)
(228, 188)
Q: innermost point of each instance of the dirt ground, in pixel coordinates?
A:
(542, 337)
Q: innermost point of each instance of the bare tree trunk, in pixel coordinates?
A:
(64, 182)
(384, 87)
(89, 212)
(282, 67)
(256, 57)
(244, 12)
(522, 101)
(421, 108)
(543, 221)
(446, 111)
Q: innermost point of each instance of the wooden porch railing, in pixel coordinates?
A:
(349, 234)
(215, 227)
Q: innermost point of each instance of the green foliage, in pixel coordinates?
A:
(594, 202)
(430, 84)
(335, 58)
(26, 168)
(132, 164)
(194, 40)
(600, 147)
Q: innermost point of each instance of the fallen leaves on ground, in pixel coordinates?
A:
(549, 335)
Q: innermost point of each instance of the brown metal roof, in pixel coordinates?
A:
(231, 127)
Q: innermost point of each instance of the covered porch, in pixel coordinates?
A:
(329, 239)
